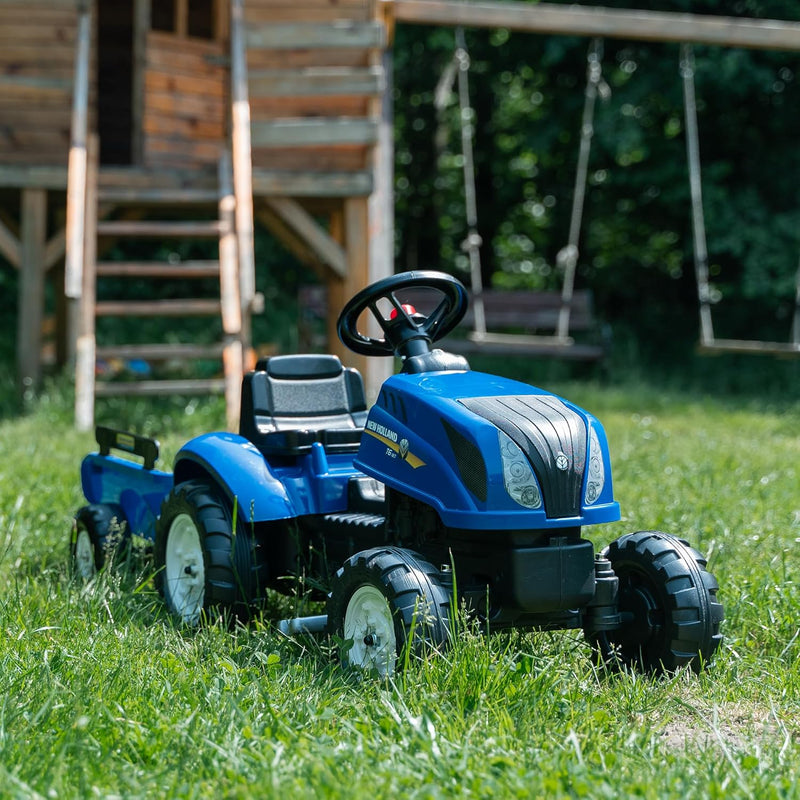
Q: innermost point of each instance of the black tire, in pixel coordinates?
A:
(223, 572)
(668, 601)
(100, 537)
(411, 608)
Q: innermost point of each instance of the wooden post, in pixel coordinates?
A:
(336, 287)
(141, 26)
(222, 21)
(355, 228)
(33, 229)
(85, 350)
(242, 167)
(76, 189)
(232, 356)
(76, 169)
(181, 21)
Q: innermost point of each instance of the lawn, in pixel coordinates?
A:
(101, 694)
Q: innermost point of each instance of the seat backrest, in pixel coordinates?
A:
(309, 392)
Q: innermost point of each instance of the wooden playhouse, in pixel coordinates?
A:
(186, 119)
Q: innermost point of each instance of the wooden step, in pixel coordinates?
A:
(150, 388)
(309, 131)
(154, 196)
(161, 352)
(149, 229)
(149, 269)
(158, 308)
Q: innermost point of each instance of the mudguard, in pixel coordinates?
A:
(240, 470)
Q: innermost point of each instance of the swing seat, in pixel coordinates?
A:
(751, 346)
(525, 323)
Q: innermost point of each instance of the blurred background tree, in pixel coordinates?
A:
(527, 94)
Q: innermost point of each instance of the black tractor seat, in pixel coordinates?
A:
(290, 402)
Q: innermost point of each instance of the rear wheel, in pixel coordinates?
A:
(202, 564)
(99, 537)
(385, 600)
(668, 602)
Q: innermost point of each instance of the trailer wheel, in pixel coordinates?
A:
(203, 567)
(668, 601)
(383, 601)
(100, 537)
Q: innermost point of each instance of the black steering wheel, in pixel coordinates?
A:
(406, 333)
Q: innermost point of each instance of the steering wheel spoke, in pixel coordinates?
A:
(436, 317)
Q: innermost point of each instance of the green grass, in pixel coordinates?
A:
(101, 694)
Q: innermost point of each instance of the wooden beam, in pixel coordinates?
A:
(317, 81)
(55, 249)
(34, 82)
(33, 224)
(311, 184)
(761, 34)
(322, 244)
(344, 34)
(35, 177)
(9, 245)
(296, 245)
(310, 132)
(67, 5)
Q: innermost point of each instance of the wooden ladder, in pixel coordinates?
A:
(184, 302)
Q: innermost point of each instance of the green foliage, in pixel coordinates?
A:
(102, 694)
(636, 242)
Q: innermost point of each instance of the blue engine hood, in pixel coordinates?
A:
(434, 436)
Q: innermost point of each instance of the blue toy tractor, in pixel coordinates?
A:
(456, 489)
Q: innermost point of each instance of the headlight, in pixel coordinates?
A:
(596, 478)
(518, 476)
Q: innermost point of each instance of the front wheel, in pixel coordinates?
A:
(202, 563)
(385, 600)
(668, 603)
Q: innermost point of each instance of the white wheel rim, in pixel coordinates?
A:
(185, 574)
(84, 555)
(368, 622)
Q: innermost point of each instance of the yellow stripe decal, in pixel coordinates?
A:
(413, 461)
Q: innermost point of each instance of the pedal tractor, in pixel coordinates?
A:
(457, 488)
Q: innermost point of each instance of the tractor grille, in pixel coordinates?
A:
(469, 461)
(551, 435)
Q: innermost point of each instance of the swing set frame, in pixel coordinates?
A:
(686, 29)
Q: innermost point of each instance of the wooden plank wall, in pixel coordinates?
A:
(37, 59)
(185, 100)
(312, 82)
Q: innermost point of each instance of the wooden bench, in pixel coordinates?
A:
(517, 323)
